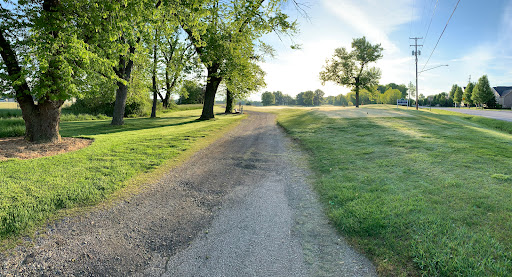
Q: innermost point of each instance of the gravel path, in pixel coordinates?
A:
(241, 207)
(495, 114)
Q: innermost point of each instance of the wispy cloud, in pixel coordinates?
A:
(372, 17)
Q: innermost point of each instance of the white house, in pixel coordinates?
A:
(503, 96)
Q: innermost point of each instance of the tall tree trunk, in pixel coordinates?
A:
(212, 84)
(123, 72)
(229, 101)
(120, 104)
(41, 120)
(357, 96)
(165, 100)
(155, 92)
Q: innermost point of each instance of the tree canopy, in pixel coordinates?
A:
(457, 97)
(350, 68)
(467, 96)
(482, 92)
(268, 98)
(226, 34)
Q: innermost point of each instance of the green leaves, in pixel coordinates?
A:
(482, 92)
(349, 68)
(468, 93)
(365, 52)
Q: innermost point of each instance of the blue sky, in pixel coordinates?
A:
(477, 41)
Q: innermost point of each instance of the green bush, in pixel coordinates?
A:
(104, 105)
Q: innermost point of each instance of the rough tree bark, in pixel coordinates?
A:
(124, 72)
(42, 119)
(153, 78)
(229, 101)
(165, 100)
(357, 89)
(357, 97)
(211, 89)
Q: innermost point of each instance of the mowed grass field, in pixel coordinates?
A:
(419, 192)
(32, 191)
(12, 125)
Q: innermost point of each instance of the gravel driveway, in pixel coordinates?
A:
(241, 207)
(495, 114)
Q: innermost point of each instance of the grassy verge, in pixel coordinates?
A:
(185, 107)
(34, 190)
(492, 123)
(12, 125)
(427, 194)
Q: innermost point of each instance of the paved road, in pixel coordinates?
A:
(241, 207)
(495, 114)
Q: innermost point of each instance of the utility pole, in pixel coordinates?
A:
(416, 53)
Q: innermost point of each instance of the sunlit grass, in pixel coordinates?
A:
(427, 194)
(12, 125)
(33, 190)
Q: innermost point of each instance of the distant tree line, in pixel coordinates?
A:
(306, 98)
(477, 94)
(381, 94)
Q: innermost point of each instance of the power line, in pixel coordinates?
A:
(423, 13)
(441, 34)
(431, 18)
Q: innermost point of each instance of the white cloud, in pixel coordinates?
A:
(373, 18)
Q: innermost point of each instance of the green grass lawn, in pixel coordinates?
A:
(12, 125)
(426, 194)
(34, 190)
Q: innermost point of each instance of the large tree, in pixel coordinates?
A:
(391, 95)
(318, 97)
(191, 93)
(226, 32)
(134, 21)
(179, 60)
(452, 91)
(457, 97)
(308, 98)
(241, 81)
(402, 88)
(279, 97)
(288, 100)
(350, 68)
(267, 98)
(45, 59)
(482, 92)
(467, 96)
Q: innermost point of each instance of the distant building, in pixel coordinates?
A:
(503, 96)
(7, 100)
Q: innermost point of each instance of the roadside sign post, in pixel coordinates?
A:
(402, 102)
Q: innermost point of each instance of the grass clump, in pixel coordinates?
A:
(33, 190)
(9, 113)
(185, 107)
(82, 117)
(426, 194)
(11, 127)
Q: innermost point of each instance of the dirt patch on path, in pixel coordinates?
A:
(22, 149)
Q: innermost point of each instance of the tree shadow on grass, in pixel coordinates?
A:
(89, 128)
